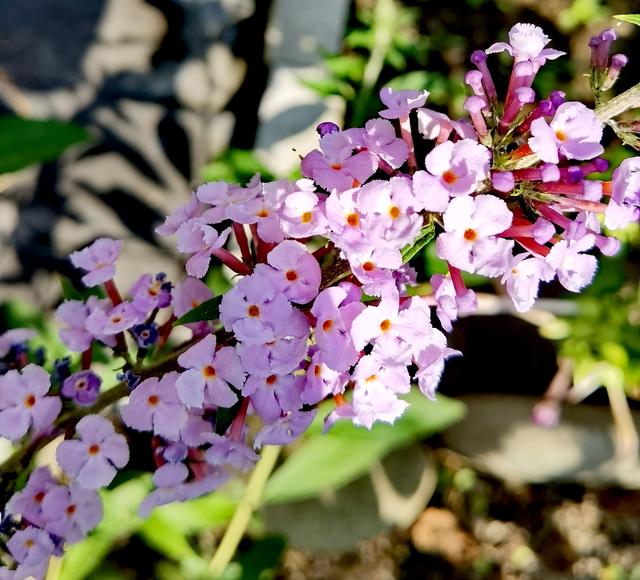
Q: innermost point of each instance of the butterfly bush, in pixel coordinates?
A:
(324, 309)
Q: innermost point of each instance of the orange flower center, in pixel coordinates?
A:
(394, 212)
(449, 177)
(94, 449)
(385, 325)
(371, 378)
(368, 266)
(263, 213)
(317, 370)
(306, 217)
(560, 135)
(253, 311)
(353, 219)
(470, 235)
(209, 372)
(271, 379)
(336, 166)
(116, 319)
(71, 510)
(291, 275)
(327, 324)
(29, 401)
(153, 400)
(38, 497)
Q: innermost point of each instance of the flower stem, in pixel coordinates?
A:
(248, 504)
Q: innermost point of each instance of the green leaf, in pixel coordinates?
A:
(631, 18)
(208, 310)
(24, 142)
(119, 523)
(330, 461)
(426, 235)
(414, 80)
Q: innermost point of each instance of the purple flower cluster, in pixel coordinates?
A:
(326, 309)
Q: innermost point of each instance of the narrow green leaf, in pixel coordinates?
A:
(330, 461)
(24, 142)
(631, 18)
(208, 310)
(426, 235)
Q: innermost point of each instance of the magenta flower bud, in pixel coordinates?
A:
(618, 62)
(502, 181)
(479, 58)
(474, 105)
(521, 97)
(600, 48)
(326, 127)
(473, 78)
(557, 98)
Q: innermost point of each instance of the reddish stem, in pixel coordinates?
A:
(229, 260)
(243, 242)
(405, 132)
(112, 292)
(533, 246)
(235, 430)
(86, 358)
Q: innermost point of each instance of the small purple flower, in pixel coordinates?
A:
(72, 316)
(322, 381)
(28, 501)
(326, 127)
(380, 138)
(82, 387)
(227, 451)
(575, 269)
(430, 362)
(451, 302)
(527, 42)
(453, 169)
(24, 402)
(210, 374)
(201, 240)
(72, 512)
(522, 279)
(256, 307)
(98, 260)
(298, 269)
(303, 212)
(574, 132)
(150, 292)
(470, 225)
(94, 459)
(31, 547)
(111, 322)
(624, 205)
(335, 312)
(280, 354)
(154, 405)
(285, 430)
(193, 208)
(336, 167)
(274, 395)
(400, 103)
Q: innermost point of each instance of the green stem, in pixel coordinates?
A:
(242, 516)
(630, 99)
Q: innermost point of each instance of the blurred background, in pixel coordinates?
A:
(112, 111)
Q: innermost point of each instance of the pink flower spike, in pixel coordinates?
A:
(98, 260)
(209, 374)
(574, 268)
(299, 270)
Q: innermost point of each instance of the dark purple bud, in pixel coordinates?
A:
(574, 174)
(145, 335)
(61, 370)
(326, 128)
(557, 98)
(600, 165)
(82, 387)
(600, 48)
(161, 277)
(478, 56)
(40, 356)
(129, 378)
